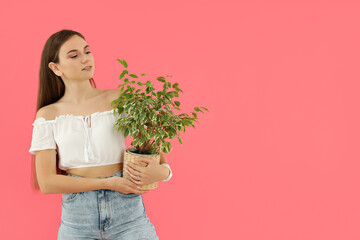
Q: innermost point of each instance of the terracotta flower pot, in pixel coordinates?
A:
(130, 155)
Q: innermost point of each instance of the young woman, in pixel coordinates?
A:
(77, 151)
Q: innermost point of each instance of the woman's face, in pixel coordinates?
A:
(74, 55)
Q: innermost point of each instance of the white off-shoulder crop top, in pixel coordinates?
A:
(81, 141)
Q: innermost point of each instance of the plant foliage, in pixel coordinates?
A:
(148, 114)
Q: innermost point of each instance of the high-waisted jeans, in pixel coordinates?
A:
(104, 214)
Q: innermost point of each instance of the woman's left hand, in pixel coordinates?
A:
(153, 172)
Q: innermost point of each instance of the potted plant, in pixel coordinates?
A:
(147, 116)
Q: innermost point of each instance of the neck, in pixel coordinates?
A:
(79, 92)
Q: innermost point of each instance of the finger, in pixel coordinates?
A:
(134, 184)
(137, 182)
(128, 169)
(138, 191)
(131, 184)
(142, 192)
(134, 175)
(132, 166)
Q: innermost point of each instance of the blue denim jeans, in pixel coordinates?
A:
(104, 214)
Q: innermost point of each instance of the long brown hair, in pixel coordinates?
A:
(51, 87)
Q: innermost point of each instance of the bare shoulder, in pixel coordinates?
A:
(46, 112)
(113, 94)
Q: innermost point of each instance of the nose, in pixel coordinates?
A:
(85, 58)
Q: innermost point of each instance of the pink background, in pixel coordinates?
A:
(277, 156)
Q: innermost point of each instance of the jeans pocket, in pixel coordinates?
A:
(126, 195)
(70, 197)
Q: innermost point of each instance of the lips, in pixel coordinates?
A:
(86, 67)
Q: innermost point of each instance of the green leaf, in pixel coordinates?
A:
(143, 74)
(164, 118)
(133, 76)
(198, 109)
(141, 141)
(120, 110)
(186, 123)
(130, 132)
(121, 75)
(140, 83)
(194, 114)
(153, 117)
(175, 85)
(205, 109)
(173, 130)
(169, 146)
(138, 90)
(126, 132)
(179, 138)
(142, 116)
(177, 103)
(125, 63)
(159, 93)
(135, 142)
(161, 79)
(167, 108)
(162, 148)
(167, 97)
(136, 132)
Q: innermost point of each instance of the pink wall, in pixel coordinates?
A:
(277, 156)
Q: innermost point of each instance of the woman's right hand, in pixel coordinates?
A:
(123, 185)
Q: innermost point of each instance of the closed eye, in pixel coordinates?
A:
(76, 55)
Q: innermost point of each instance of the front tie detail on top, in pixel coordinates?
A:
(81, 141)
(88, 151)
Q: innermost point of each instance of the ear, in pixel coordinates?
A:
(55, 68)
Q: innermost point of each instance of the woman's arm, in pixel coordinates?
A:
(66, 184)
(50, 182)
(162, 158)
(166, 171)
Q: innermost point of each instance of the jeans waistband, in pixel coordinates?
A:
(115, 174)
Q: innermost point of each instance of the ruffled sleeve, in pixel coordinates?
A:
(42, 136)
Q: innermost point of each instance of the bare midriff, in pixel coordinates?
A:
(97, 171)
